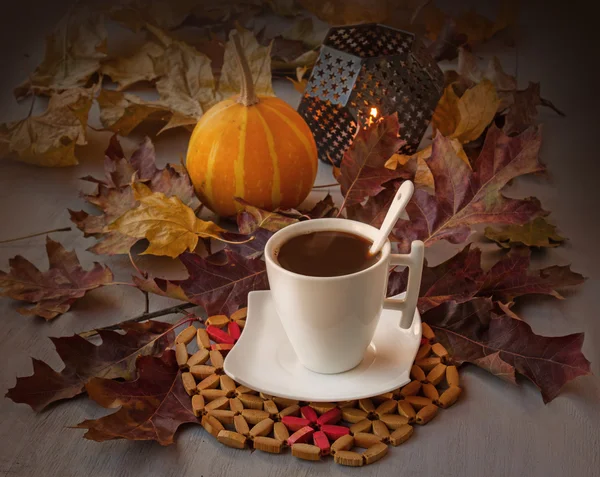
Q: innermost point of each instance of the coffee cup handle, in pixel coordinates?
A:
(414, 262)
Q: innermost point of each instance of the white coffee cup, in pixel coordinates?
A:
(330, 321)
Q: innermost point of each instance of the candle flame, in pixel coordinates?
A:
(374, 112)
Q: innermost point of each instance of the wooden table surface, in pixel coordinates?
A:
(494, 430)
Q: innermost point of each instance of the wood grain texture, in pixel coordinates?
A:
(494, 430)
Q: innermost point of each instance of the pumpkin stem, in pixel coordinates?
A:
(247, 94)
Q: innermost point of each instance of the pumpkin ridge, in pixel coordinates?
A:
(276, 189)
(210, 166)
(238, 166)
(299, 135)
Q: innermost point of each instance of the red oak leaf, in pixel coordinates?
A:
(220, 287)
(465, 197)
(471, 333)
(462, 278)
(151, 408)
(54, 291)
(363, 171)
(510, 278)
(114, 358)
(114, 195)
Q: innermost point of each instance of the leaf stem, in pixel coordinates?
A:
(64, 229)
(143, 317)
(549, 104)
(323, 186)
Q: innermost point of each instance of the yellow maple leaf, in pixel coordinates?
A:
(167, 223)
(466, 118)
(49, 139)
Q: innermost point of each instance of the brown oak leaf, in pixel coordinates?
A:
(465, 197)
(54, 291)
(362, 171)
(150, 408)
(114, 358)
(472, 333)
(220, 284)
(537, 233)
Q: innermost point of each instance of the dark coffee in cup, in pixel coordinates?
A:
(326, 254)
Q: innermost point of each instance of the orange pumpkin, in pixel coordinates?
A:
(256, 148)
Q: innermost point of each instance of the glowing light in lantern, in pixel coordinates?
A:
(372, 116)
(374, 112)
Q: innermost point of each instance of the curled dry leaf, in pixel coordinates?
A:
(537, 233)
(362, 171)
(49, 139)
(73, 54)
(465, 197)
(114, 358)
(167, 223)
(114, 195)
(503, 345)
(140, 66)
(461, 278)
(465, 118)
(54, 291)
(251, 218)
(142, 415)
(219, 283)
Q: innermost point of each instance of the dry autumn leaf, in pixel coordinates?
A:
(140, 66)
(73, 54)
(300, 82)
(114, 195)
(259, 60)
(142, 415)
(251, 218)
(167, 223)
(423, 177)
(462, 278)
(466, 118)
(218, 283)
(114, 358)
(472, 334)
(537, 233)
(362, 171)
(49, 139)
(465, 197)
(54, 291)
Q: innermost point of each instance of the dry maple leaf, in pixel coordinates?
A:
(73, 54)
(167, 223)
(54, 291)
(140, 66)
(461, 278)
(537, 233)
(49, 139)
(465, 197)
(259, 60)
(218, 283)
(114, 196)
(150, 408)
(466, 118)
(114, 358)
(363, 171)
(122, 112)
(472, 333)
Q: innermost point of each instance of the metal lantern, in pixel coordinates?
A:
(367, 70)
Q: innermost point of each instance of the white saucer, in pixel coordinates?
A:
(264, 360)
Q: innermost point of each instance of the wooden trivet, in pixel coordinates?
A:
(240, 417)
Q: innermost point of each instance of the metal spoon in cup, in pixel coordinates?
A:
(403, 195)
